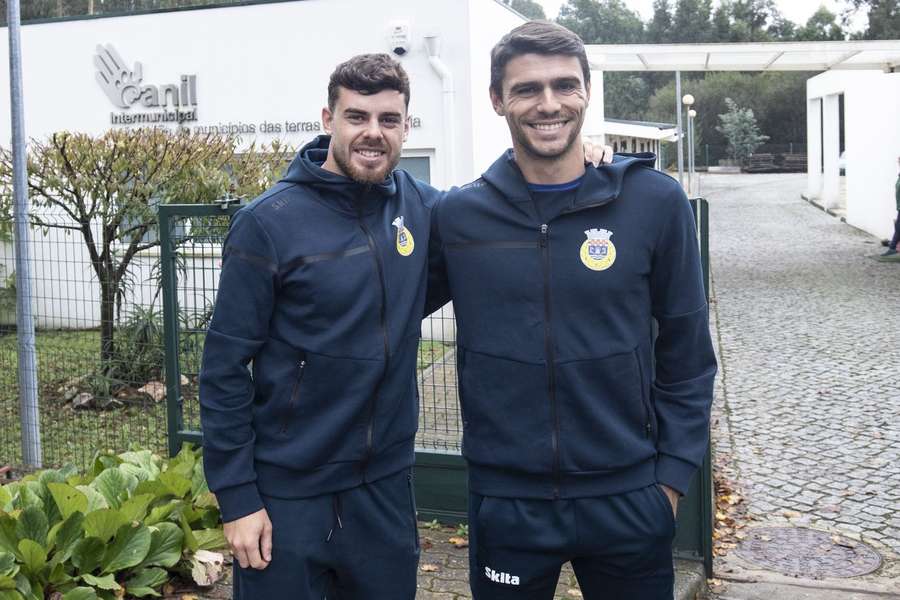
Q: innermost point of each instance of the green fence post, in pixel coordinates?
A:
(174, 417)
(695, 511)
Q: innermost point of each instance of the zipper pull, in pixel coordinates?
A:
(302, 365)
(544, 229)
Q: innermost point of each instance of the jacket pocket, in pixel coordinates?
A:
(507, 413)
(649, 415)
(294, 398)
(603, 414)
(326, 411)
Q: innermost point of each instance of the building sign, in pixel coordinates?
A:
(174, 103)
(140, 103)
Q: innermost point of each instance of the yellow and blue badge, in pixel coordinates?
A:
(405, 242)
(598, 253)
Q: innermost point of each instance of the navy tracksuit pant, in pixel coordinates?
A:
(620, 546)
(359, 544)
(896, 239)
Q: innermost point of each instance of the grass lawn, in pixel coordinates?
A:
(73, 436)
(69, 435)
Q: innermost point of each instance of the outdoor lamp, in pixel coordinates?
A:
(687, 100)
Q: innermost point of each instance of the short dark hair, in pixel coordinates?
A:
(536, 37)
(368, 74)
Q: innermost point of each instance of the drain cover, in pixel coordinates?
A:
(807, 553)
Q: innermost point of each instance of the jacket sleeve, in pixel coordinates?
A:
(438, 285)
(685, 360)
(239, 328)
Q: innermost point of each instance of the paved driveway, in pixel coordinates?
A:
(809, 332)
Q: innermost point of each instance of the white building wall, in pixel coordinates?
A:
(257, 65)
(488, 22)
(594, 126)
(872, 142)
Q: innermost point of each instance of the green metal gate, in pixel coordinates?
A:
(191, 237)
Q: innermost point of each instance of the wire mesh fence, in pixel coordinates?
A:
(196, 242)
(104, 387)
(98, 386)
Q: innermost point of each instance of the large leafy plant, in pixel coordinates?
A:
(121, 530)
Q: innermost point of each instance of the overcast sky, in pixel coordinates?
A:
(797, 11)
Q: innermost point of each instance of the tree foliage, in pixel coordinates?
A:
(883, 17)
(660, 25)
(777, 98)
(105, 189)
(602, 21)
(692, 21)
(823, 25)
(528, 8)
(740, 129)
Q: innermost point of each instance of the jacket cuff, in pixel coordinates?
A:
(238, 501)
(674, 473)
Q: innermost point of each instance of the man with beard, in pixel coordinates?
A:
(581, 429)
(321, 289)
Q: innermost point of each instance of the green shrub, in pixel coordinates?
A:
(122, 529)
(139, 351)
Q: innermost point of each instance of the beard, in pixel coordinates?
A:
(521, 139)
(363, 175)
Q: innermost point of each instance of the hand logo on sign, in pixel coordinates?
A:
(120, 84)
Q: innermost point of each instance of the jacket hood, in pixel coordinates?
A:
(345, 193)
(601, 184)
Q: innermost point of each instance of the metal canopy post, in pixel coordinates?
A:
(28, 396)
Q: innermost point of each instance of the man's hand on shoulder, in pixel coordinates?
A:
(673, 497)
(250, 539)
(596, 155)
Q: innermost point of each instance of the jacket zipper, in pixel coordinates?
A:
(370, 427)
(548, 339)
(551, 359)
(295, 395)
(645, 401)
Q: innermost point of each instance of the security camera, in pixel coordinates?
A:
(399, 38)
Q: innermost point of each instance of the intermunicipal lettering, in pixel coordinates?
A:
(124, 85)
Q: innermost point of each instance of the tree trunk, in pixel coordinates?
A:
(107, 322)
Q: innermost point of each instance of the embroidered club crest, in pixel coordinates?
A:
(598, 253)
(405, 242)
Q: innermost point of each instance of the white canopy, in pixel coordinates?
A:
(754, 56)
(640, 129)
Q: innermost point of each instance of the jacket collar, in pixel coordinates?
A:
(600, 185)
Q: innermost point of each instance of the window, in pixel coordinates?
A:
(417, 166)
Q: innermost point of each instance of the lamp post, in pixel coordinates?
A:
(688, 100)
(692, 159)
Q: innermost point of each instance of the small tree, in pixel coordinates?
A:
(108, 188)
(740, 129)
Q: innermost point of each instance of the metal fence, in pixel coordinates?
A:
(159, 325)
(706, 155)
(192, 237)
(87, 403)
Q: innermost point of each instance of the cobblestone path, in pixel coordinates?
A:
(809, 334)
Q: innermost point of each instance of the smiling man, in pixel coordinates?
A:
(580, 428)
(322, 289)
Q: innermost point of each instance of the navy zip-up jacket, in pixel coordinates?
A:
(322, 289)
(564, 391)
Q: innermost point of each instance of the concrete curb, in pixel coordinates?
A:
(815, 202)
(690, 580)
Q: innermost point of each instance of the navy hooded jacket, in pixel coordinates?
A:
(563, 389)
(322, 289)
